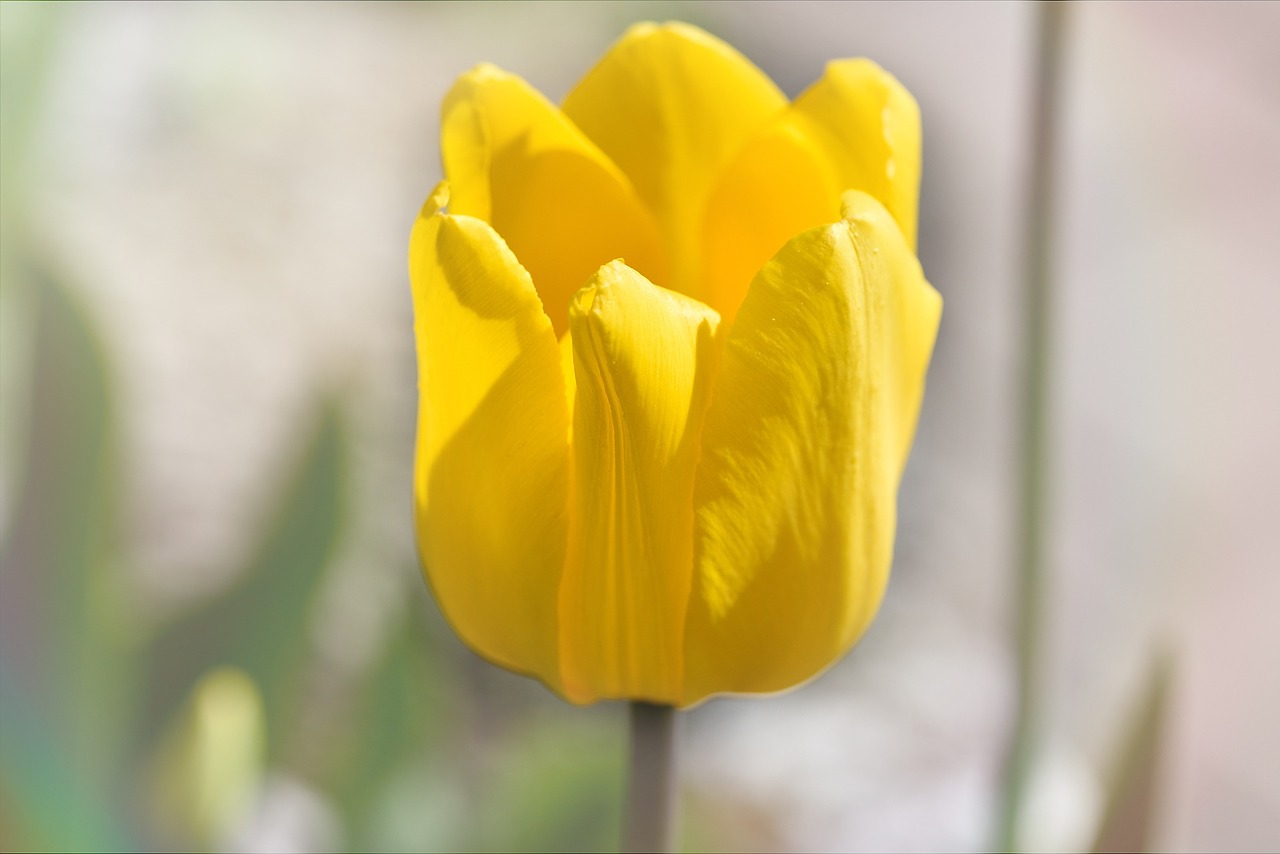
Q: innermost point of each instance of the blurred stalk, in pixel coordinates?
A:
(1039, 206)
(649, 824)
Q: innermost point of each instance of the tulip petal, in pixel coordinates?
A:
(802, 450)
(777, 187)
(856, 128)
(491, 479)
(515, 161)
(868, 127)
(671, 105)
(643, 358)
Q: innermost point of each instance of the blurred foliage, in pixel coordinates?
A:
(61, 618)
(28, 33)
(117, 734)
(563, 792)
(209, 764)
(1129, 820)
(260, 624)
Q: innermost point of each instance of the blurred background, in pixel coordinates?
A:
(213, 632)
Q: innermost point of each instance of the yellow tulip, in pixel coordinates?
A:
(672, 341)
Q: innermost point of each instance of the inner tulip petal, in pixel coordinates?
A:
(802, 450)
(777, 187)
(490, 500)
(562, 207)
(671, 105)
(867, 126)
(856, 128)
(644, 359)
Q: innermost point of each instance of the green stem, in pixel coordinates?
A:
(1038, 258)
(651, 802)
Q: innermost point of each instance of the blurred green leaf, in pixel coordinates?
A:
(394, 722)
(45, 803)
(63, 626)
(559, 789)
(548, 784)
(261, 624)
(28, 35)
(1127, 823)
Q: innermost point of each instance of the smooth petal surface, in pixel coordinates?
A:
(671, 105)
(868, 127)
(515, 161)
(856, 128)
(802, 451)
(491, 478)
(776, 188)
(644, 359)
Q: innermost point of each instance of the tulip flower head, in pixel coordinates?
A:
(672, 342)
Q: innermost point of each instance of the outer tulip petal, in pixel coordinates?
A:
(856, 128)
(671, 105)
(492, 472)
(644, 358)
(515, 161)
(802, 450)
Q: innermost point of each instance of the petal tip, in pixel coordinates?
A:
(643, 31)
(483, 72)
(858, 206)
(436, 202)
(855, 63)
(583, 301)
(640, 30)
(602, 281)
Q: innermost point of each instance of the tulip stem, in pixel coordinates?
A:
(651, 790)
(1046, 114)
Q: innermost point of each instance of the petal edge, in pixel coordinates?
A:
(671, 104)
(795, 496)
(644, 358)
(490, 503)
